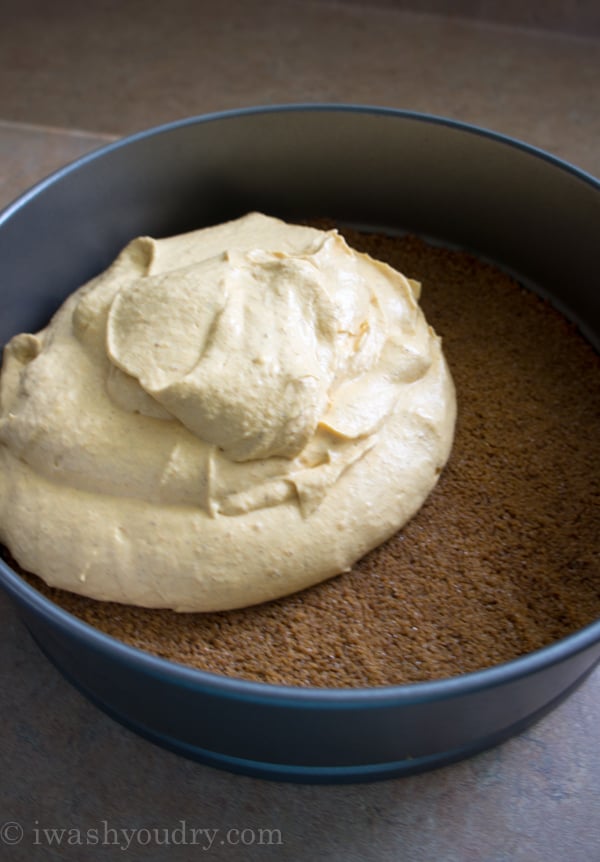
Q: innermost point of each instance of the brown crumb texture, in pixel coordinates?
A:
(502, 559)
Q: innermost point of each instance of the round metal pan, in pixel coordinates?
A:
(527, 211)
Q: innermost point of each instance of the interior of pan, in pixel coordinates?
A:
(389, 169)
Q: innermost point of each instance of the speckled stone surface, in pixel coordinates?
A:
(72, 79)
(119, 67)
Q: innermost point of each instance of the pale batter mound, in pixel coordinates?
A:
(220, 419)
(502, 559)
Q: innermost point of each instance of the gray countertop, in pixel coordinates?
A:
(80, 75)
